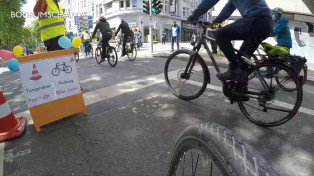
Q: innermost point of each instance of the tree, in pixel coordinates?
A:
(11, 28)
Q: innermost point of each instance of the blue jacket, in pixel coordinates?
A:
(178, 30)
(282, 33)
(247, 9)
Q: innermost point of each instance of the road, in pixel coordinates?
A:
(133, 121)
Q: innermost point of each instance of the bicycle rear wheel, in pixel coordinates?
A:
(112, 56)
(189, 85)
(98, 55)
(301, 69)
(132, 55)
(209, 149)
(275, 106)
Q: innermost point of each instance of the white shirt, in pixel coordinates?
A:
(174, 31)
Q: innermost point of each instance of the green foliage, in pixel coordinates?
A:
(11, 29)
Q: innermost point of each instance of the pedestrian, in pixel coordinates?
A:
(51, 27)
(193, 37)
(164, 35)
(86, 39)
(175, 34)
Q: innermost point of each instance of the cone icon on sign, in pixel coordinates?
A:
(35, 74)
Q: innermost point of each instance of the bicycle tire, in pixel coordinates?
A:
(68, 69)
(302, 79)
(115, 56)
(204, 68)
(133, 54)
(91, 53)
(295, 77)
(57, 72)
(230, 154)
(98, 55)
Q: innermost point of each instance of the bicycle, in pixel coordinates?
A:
(112, 56)
(210, 149)
(130, 48)
(90, 50)
(297, 62)
(61, 67)
(261, 103)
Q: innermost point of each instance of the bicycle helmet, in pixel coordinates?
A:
(277, 13)
(122, 20)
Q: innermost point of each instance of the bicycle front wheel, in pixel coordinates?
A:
(98, 55)
(91, 53)
(77, 56)
(112, 56)
(210, 149)
(275, 106)
(187, 78)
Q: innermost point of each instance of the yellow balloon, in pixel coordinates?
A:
(76, 42)
(17, 51)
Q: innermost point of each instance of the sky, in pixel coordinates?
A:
(27, 8)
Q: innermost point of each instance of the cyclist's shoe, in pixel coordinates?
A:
(235, 74)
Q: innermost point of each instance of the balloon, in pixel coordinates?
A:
(64, 42)
(17, 51)
(76, 42)
(7, 55)
(13, 65)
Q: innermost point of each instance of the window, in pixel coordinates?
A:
(134, 3)
(196, 4)
(187, 12)
(165, 5)
(97, 12)
(127, 3)
(183, 11)
(121, 4)
(100, 9)
(109, 5)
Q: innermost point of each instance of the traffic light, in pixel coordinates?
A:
(146, 6)
(156, 7)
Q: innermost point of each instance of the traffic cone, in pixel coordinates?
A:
(10, 127)
(35, 74)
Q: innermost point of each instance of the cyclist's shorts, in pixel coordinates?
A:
(280, 51)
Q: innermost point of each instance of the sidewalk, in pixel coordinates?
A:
(164, 51)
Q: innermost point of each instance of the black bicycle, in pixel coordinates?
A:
(89, 50)
(210, 149)
(112, 56)
(130, 47)
(296, 62)
(61, 67)
(264, 102)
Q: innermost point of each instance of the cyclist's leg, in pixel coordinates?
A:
(242, 29)
(125, 39)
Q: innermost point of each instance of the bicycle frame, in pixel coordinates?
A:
(202, 41)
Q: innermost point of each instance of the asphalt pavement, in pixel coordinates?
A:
(133, 121)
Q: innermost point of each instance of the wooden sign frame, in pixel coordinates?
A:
(55, 110)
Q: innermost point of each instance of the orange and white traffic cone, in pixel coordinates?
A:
(10, 127)
(35, 74)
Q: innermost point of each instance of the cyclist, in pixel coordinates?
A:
(105, 31)
(256, 23)
(282, 33)
(127, 33)
(86, 39)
